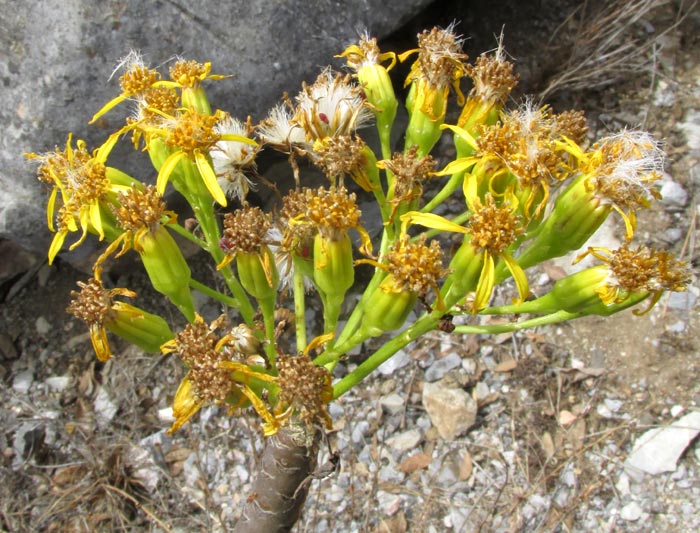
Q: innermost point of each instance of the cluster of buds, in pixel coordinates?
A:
(532, 189)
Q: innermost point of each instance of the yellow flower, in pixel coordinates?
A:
(141, 213)
(135, 81)
(86, 186)
(366, 60)
(488, 234)
(520, 156)
(190, 136)
(413, 269)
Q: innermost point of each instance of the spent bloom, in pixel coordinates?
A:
(97, 307)
(207, 350)
(439, 67)
(232, 158)
(331, 106)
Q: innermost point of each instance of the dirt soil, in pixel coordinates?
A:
(73, 428)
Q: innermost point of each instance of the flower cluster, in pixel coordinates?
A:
(528, 185)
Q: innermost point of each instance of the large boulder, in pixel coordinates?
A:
(58, 57)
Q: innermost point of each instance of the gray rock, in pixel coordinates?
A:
(58, 59)
(442, 366)
(451, 411)
(405, 441)
(23, 381)
(392, 404)
(399, 360)
(631, 512)
(58, 383)
(659, 449)
(673, 194)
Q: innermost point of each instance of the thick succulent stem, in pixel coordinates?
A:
(282, 482)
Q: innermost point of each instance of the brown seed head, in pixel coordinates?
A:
(92, 304)
(440, 57)
(493, 78)
(197, 346)
(647, 269)
(139, 208)
(341, 155)
(304, 386)
(245, 230)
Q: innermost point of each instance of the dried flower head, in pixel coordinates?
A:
(330, 107)
(245, 230)
(140, 209)
(410, 171)
(639, 271)
(278, 129)
(232, 158)
(95, 306)
(305, 387)
(493, 77)
(344, 155)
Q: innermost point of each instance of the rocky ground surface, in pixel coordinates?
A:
(586, 426)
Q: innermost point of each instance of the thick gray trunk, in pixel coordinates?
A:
(282, 483)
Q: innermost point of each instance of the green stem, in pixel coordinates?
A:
(299, 309)
(354, 320)
(267, 306)
(559, 316)
(421, 326)
(216, 295)
(177, 228)
(449, 187)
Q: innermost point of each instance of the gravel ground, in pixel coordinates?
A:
(550, 418)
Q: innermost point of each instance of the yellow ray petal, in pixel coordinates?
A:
(108, 106)
(463, 134)
(457, 166)
(98, 336)
(167, 169)
(519, 277)
(56, 244)
(429, 220)
(209, 177)
(50, 208)
(484, 288)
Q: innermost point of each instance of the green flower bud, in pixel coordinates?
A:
(422, 130)
(465, 268)
(167, 268)
(145, 330)
(379, 91)
(258, 273)
(196, 98)
(387, 310)
(576, 216)
(334, 272)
